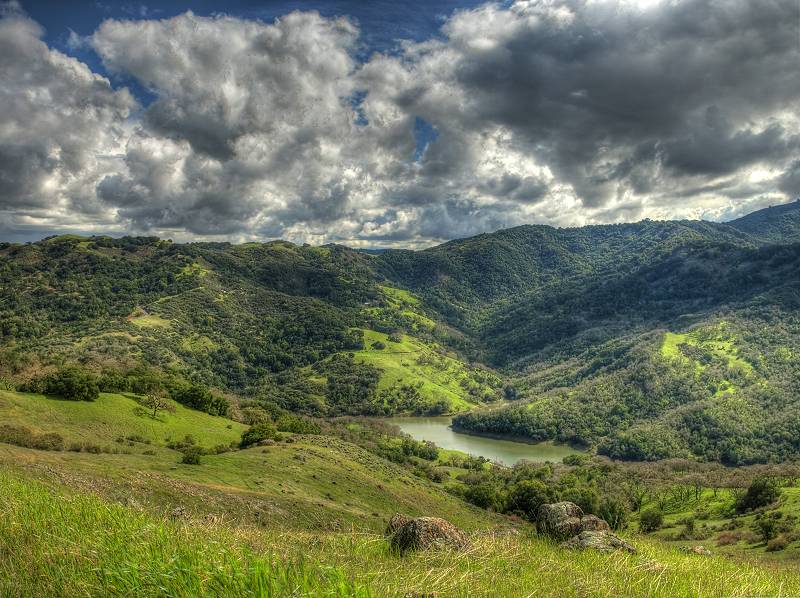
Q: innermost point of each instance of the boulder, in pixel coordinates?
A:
(428, 533)
(592, 523)
(605, 541)
(559, 520)
(395, 523)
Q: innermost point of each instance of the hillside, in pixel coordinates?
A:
(302, 515)
(549, 316)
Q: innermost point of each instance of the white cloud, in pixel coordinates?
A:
(560, 111)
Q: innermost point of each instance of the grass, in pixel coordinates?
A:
(301, 483)
(411, 361)
(150, 321)
(59, 543)
(78, 545)
(717, 343)
(111, 416)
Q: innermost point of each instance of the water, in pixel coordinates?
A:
(508, 452)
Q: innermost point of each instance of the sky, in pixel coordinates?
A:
(391, 124)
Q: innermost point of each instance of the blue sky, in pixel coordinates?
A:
(391, 124)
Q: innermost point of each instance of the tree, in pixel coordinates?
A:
(257, 433)
(156, 401)
(761, 492)
(651, 520)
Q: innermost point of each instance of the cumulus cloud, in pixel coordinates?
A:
(61, 128)
(565, 112)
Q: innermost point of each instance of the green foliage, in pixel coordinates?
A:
(615, 512)
(191, 455)
(651, 520)
(71, 383)
(258, 433)
(201, 398)
(761, 492)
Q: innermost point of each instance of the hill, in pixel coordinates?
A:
(542, 315)
(776, 224)
(301, 515)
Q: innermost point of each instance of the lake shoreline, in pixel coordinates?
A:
(519, 439)
(440, 431)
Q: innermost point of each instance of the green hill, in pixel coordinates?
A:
(302, 515)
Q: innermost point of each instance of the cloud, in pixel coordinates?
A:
(61, 127)
(565, 112)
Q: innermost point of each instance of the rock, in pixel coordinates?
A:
(428, 533)
(601, 540)
(592, 523)
(701, 550)
(179, 512)
(560, 520)
(395, 523)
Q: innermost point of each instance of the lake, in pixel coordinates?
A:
(508, 452)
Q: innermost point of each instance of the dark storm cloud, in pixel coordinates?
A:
(565, 111)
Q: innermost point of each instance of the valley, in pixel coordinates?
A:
(246, 419)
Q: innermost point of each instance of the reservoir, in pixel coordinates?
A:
(508, 452)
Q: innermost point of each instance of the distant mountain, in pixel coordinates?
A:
(644, 340)
(776, 224)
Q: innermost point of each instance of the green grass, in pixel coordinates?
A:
(67, 544)
(78, 545)
(111, 416)
(150, 321)
(412, 361)
(311, 482)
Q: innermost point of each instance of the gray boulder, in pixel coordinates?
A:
(597, 540)
(428, 533)
(559, 520)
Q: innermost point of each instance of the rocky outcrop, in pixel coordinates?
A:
(395, 523)
(559, 520)
(427, 533)
(701, 550)
(592, 523)
(562, 520)
(566, 521)
(597, 540)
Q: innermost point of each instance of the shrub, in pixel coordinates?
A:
(761, 492)
(71, 383)
(615, 512)
(200, 397)
(258, 433)
(297, 425)
(22, 436)
(191, 455)
(651, 520)
(777, 543)
(378, 345)
(728, 538)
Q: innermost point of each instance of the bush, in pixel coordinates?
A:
(71, 383)
(761, 492)
(191, 455)
(378, 346)
(200, 397)
(615, 512)
(728, 538)
(651, 520)
(258, 433)
(22, 436)
(777, 543)
(297, 425)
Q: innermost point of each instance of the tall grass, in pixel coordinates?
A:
(54, 544)
(78, 545)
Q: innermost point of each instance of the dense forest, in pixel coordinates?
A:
(642, 341)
